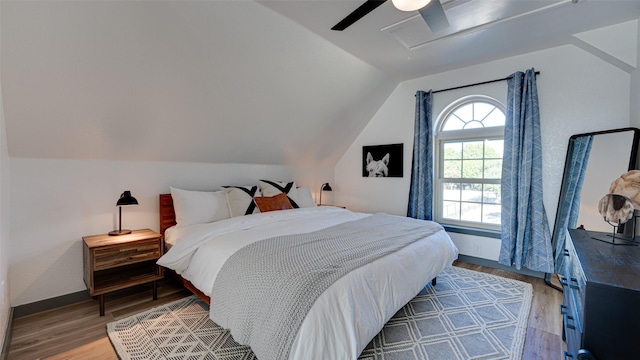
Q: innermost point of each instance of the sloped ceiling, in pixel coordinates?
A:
(213, 81)
(241, 81)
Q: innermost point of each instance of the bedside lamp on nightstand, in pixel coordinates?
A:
(324, 187)
(125, 199)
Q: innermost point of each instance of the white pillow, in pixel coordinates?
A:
(273, 188)
(305, 199)
(198, 207)
(240, 199)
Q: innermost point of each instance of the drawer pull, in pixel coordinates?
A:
(563, 309)
(573, 281)
(568, 355)
(566, 252)
(568, 318)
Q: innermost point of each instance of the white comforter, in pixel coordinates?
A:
(352, 310)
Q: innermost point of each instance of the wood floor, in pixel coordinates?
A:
(77, 332)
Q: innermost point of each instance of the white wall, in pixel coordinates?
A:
(578, 92)
(4, 225)
(56, 202)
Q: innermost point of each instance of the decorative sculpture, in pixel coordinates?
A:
(628, 184)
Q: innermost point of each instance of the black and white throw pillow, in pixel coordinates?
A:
(240, 199)
(273, 188)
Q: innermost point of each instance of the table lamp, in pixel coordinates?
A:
(324, 187)
(125, 199)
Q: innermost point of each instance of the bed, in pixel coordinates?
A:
(347, 312)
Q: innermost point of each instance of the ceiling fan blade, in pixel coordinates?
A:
(357, 14)
(433, 14)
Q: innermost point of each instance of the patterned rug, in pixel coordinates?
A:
(467, 315)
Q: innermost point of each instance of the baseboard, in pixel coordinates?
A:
(496, 265)
(52, 303)
(7, 336)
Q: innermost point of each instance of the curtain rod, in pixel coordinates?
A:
(476, 84)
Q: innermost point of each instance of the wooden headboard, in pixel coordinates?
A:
(167, 214)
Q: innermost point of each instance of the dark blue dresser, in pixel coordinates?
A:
(601, 309)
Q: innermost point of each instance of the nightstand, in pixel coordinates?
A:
(116, 262)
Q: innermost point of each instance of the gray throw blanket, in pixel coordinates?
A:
(264, 291)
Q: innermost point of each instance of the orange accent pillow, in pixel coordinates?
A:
(273, 203)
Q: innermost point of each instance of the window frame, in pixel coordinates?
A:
(463, 135)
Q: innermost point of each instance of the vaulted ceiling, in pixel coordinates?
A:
(241, 81)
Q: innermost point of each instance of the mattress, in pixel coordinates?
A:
(367, 296)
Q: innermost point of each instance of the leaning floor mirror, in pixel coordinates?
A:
(593, 161)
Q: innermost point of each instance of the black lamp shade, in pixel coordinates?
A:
(126, 199)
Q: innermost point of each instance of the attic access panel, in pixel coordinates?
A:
(466, 15)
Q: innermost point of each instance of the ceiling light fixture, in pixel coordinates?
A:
(410, 5)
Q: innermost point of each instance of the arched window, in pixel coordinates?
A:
(470, 139)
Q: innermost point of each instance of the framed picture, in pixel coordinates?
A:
(382, 160)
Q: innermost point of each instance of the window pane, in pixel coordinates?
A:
(481, 110)
(452, 169)
(451, 210)
(471, 192)
(493, 149)
(491, 214)
(451, 191)
(471, 212)
(472, 169)
(496, 118)
(473, 150)
(465, 112)
(453, 150)
(473, 125)
(492, 169)
(491, 194)
(453, 123)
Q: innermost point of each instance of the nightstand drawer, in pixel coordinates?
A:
(131, 253)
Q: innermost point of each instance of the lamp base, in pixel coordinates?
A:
(119, 232)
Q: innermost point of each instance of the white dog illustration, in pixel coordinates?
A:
(378, 168)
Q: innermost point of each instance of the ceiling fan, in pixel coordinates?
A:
(431, 11)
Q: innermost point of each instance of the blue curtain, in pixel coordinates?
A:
(526, 240)
(567, 217)
(421, 190)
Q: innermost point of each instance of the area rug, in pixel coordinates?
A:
(467, 315)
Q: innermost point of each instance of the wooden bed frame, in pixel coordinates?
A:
(167, 220)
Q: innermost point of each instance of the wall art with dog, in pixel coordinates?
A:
(382, 160)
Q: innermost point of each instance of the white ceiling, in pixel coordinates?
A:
(401, 44)
(239, 81)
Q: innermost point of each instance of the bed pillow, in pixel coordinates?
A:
(273, 203)
(240, 199)
(272, 188)
(198, 207)
(305, 199)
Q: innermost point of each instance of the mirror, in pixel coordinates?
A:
(593, 162)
